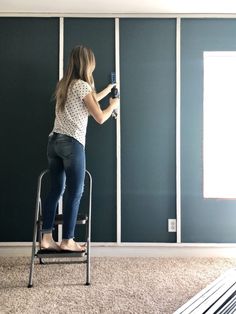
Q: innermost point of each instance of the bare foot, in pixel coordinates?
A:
(49, 244)
(71, 245)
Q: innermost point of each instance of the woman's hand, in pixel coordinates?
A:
(94, 109)
(114, 103)
(105, 91)
(109, 86)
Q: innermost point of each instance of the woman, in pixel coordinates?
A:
(75, 101)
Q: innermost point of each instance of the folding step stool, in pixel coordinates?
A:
(82, 219)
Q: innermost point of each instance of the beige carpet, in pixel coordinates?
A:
(119, 285)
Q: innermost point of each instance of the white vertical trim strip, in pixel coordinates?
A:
(61, 69)
(61, 48)
(118, 137)
(178, 128)
(60, 206)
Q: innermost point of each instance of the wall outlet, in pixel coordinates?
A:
(171, 225)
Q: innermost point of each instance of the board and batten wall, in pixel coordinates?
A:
(29, 63)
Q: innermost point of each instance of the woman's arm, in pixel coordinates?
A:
(104, 92)
(97, 113)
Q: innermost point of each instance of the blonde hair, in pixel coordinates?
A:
(81, 66)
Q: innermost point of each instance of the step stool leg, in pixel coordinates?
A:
(36, 217)
(89, 227)
(30, 285)
(88, 264)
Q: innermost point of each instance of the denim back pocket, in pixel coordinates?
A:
(64, 146)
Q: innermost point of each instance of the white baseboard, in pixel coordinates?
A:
(226, 250)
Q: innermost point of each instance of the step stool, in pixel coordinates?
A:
(82, 219)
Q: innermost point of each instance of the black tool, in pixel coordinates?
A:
(114, 91)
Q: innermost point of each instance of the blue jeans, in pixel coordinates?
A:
(66, 160)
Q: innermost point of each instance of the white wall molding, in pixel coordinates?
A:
(61, 48)
(118, 136)
(117, 15)
(178, 129)
(136, 244)
(60, 75)
(225, 250)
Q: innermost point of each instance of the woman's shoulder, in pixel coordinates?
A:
(81, 88)
(81, 83)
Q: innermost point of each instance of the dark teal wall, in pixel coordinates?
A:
(29, 72)
(98, 34)
(147, 59)
(203, 220)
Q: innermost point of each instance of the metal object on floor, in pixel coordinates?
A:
(217, 298)
(82, 219)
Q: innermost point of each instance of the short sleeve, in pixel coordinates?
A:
(83, 89)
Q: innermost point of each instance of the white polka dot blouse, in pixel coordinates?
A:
(74, 119)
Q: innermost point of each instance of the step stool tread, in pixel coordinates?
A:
(63, 253)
